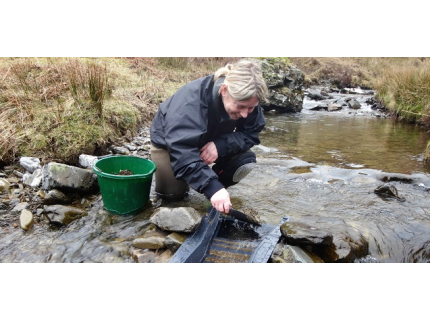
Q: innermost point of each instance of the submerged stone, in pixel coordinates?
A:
(285, 253)
(153, 239)
(175, 240)
(63, 215)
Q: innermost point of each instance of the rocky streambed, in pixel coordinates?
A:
(44, 209)
(54, 212)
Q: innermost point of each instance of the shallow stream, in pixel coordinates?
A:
(310, 165)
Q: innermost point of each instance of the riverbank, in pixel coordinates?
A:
(50, 111)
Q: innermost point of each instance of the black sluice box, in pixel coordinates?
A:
(225, 239)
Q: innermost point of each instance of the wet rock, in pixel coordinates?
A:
(388, 191)
(19, 207)
(285, 253)
(334, 107)
(341, 101)
(354, 104)
(153, 239)
(164, 257)
(87, 161)
(298, 233)
(320, 107)
(26, 219)
(248, 215)
(397, 177)
(347, 243)
(68, 178)
(30, 164)
(315, 94)
(55, 196)
(175, 240)
(143, 256)
(63, 215)
(180, 219)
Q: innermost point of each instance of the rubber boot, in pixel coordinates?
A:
(166, 185)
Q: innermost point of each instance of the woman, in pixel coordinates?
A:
(214, 120)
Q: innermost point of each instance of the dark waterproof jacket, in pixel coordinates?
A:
(194, 116)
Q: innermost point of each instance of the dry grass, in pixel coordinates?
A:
(59, 108)
(343, 72)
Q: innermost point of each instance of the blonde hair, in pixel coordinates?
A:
(244, 80)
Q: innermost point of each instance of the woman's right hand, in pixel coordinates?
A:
(221, 201)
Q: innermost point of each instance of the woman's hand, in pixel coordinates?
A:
(221, 201)
(209, 153)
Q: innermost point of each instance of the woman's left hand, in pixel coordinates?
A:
(209, 153)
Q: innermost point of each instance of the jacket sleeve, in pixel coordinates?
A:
(244, 137)
(185, 126)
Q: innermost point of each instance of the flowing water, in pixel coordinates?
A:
(311, 165)
(321, 164)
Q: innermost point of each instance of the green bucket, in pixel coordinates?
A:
(124, 194)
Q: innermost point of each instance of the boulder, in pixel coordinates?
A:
(338, 243)
(354, 104)
(285, 82)
(68, 178)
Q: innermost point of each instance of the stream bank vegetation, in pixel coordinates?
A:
(58, 108)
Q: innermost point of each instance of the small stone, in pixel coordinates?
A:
(26, 219)
(4, 185)
(18, 174)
